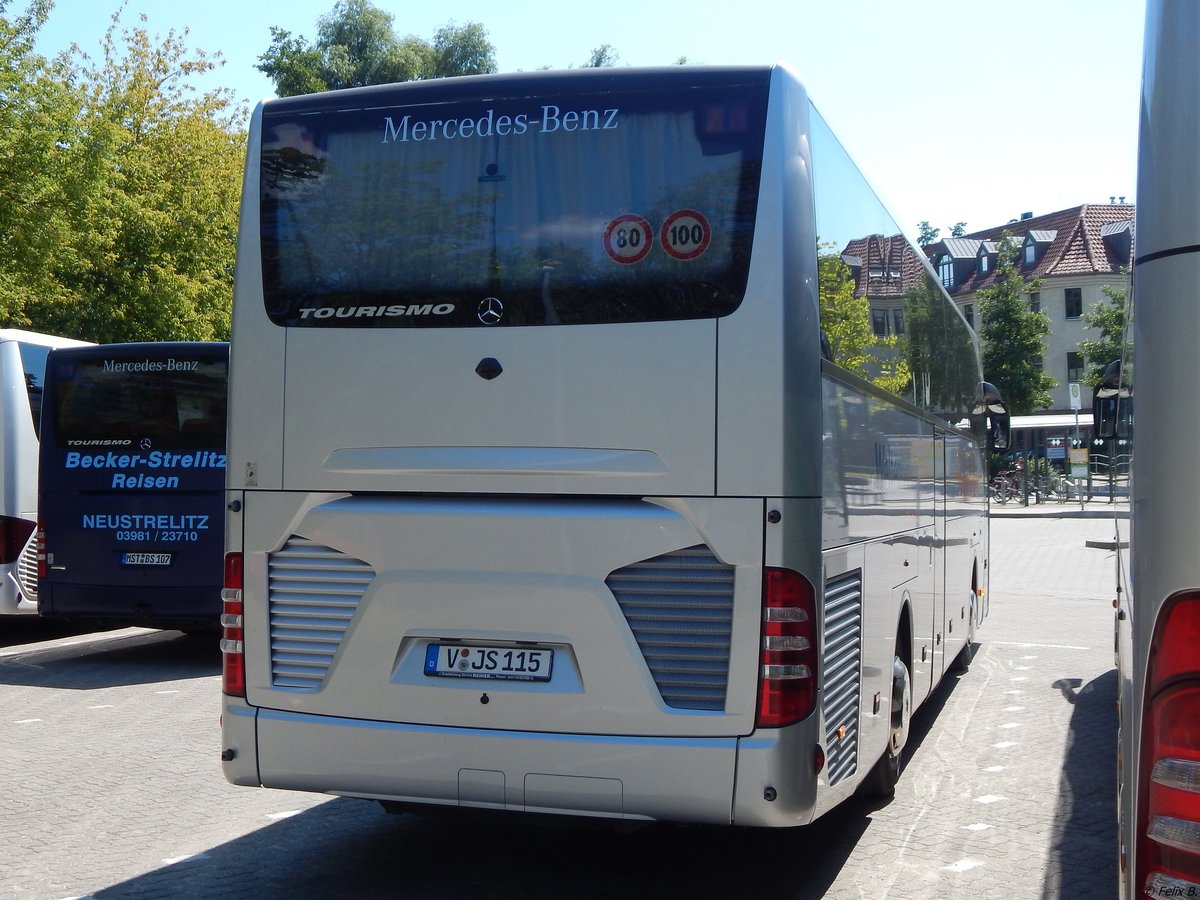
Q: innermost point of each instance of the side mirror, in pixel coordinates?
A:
(1104, 416)
(1110, 416)
(999, 432)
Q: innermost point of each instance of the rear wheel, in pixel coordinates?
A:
(881, 781)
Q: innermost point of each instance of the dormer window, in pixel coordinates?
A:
(983, 263)
(1118, 238)
(946, 270)
(1035, 245)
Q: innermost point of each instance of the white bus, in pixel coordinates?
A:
(22, 377)
(546, 493)
(1158, 600)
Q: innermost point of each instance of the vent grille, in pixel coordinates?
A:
(680, 608)
(27, 567)
(841, 664)
(314, 591)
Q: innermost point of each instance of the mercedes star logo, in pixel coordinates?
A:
(490, 311)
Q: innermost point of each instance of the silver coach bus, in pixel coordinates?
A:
(1158, 598)
(547, 491)
(22, 380)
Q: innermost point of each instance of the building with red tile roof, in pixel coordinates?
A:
(1075, 252)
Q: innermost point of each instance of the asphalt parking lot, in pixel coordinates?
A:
(112, 786)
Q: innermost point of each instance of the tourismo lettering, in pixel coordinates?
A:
(551, 119)
(373, 312)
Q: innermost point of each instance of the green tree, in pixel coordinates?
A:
(38, 115)
(1014, 336)
(845, 318)
(846, 322)
(128, 189)
(357, 45)
(156, 172)
(928, 235)
(602, 57)
(940, 351)
(1108, 317)
(462, 50)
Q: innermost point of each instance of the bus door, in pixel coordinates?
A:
(916, 475)
(938, 550)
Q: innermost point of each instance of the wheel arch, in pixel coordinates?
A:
(904, 633)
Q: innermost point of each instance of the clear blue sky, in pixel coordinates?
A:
(971, 110)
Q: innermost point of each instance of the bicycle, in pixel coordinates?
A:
(1004, 487)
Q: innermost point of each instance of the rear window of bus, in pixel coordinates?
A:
(162, 403)
(589, 207)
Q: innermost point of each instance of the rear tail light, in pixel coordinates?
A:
(1168, 858)
(787, 690)
(43, 568)
(233, 668)
(14, 535)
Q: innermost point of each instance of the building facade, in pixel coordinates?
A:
(1075, 253)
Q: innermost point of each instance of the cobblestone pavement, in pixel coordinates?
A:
(110, 785)
(1011, 792)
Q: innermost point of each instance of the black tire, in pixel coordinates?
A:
(880, 782)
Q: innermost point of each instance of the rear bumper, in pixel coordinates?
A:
(641, 778)
(149, 606)
(13, 601)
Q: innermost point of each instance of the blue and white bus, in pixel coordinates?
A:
(130, 512)
(546, 492)
(22, 373)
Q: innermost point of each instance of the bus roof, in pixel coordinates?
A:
(33, 337)
(519, 84)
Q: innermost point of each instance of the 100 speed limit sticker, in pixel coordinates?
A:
(685, 234)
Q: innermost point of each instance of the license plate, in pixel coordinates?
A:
(145, 559)
(473, 661)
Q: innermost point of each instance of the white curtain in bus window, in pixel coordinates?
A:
(600, 210)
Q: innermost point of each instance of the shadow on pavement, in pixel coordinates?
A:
(352, 849)
(112, 660)
(930, 711)
(1086, 819)
(18, 630)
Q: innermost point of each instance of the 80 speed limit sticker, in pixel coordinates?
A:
(685, 234)
(628, 239)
